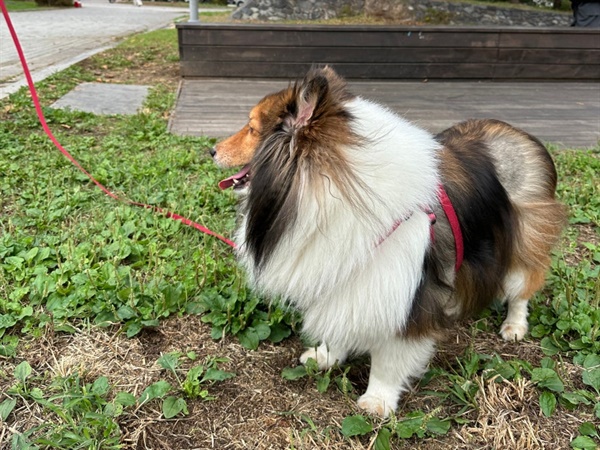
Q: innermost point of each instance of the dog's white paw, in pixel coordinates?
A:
(324, 358)
(376, 405)
(511, 331)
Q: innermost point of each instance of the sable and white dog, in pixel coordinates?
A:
(337, 218)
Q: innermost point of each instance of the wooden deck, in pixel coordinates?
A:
(564, 113)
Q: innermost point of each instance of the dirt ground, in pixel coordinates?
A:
(258, 409)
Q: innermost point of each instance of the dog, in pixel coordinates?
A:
(383, 235)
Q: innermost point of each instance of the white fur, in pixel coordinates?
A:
(515, 326)
(393, 363)
(324, 356)
(353, 283)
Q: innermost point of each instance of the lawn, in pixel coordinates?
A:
(120, 328)
(19, 5)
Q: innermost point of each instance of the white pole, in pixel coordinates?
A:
(194, 11)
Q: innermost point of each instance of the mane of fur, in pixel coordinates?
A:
(303, 145)
(312, 230)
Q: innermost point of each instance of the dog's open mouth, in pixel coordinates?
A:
(238, 181)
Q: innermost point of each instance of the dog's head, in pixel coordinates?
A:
(303, 115)
(239, 149)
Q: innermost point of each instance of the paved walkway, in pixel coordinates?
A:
(54, 39)
(565, 113)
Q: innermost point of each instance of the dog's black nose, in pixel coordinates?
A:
(212, 152)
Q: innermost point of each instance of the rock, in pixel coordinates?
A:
(426, 11)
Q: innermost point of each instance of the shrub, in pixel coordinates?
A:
(54, 2)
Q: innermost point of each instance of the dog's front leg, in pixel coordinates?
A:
(326, 357)
(394, 362)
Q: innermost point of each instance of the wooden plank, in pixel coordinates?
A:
(549, 56)
(389, 54)
(349, 70)
(582, 39)
(217, 34)
(419, 37)
(397, 71)
(450, 29)
(548, 71)
(333, 54)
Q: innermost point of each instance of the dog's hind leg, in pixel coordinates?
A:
(326, 357)
(394, 364)
(519, 287)
(541, 226)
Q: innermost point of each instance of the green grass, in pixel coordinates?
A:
(71, 253)
(71, 257)
(19, 5)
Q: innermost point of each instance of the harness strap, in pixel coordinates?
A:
(454, 225)
(452, 219)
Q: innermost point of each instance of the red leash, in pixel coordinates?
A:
(46, 129)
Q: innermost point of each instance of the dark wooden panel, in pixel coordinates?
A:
(350, 70)
(548, 56)
(336, 37)
(339, 54)
(548, 71)
(285, 51)
(588, 39)
(396, 71)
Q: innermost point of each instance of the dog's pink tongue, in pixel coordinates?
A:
(228, 182)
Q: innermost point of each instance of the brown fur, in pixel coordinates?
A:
(521, 222)
(500, 179)
(271, 112)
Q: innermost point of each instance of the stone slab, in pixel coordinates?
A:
(103, 98)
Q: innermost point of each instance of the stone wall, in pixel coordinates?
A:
(423, 11)
(468, 14)
(275, 10)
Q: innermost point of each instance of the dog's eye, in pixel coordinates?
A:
(251, 130)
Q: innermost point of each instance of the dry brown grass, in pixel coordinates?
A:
(257, 409)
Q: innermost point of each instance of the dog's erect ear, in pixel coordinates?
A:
(332, 76)
(309, 94)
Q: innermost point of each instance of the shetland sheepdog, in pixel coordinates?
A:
(381, 234)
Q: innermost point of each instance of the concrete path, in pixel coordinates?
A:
(54, 39)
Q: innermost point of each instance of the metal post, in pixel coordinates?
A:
(194, 11)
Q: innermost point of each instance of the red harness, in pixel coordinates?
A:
(452, 219)
(459, 245)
